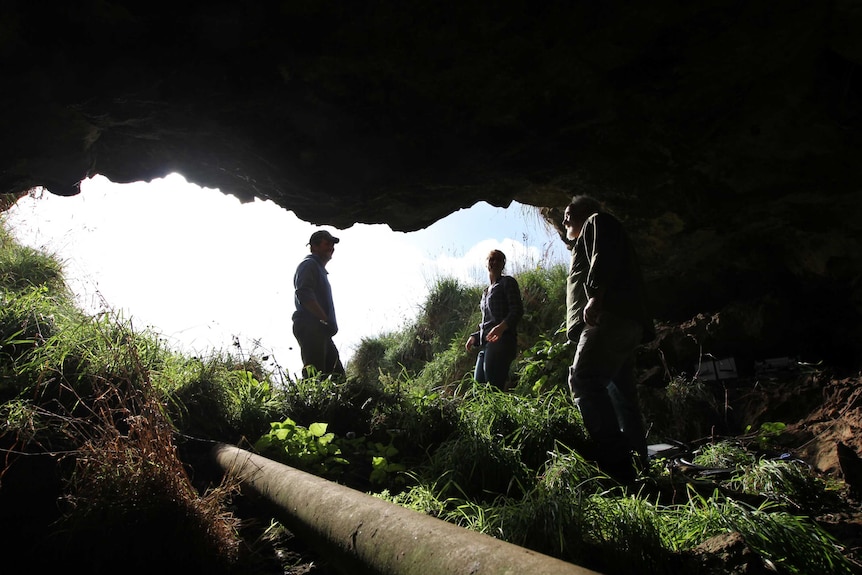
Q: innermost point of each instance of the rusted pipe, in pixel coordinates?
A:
(364, 534)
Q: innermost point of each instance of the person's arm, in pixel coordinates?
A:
(314, 309)
(603, 237)
(472, 341)
(306, 284)
(593, 308)
(515, 306)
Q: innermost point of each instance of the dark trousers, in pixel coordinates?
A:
(602, 383)
(317, 348)
(494, 360)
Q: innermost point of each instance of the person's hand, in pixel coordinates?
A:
(470, 343)
(495, 332)
(328, 327)
(593, 311)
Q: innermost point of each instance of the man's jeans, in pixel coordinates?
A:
(602, 383)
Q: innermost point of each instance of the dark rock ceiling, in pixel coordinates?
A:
(726, 133)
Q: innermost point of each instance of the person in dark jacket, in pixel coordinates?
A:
(607, 317)
(314, 321)
(497, 338)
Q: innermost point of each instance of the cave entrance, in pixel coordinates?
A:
(208, 272)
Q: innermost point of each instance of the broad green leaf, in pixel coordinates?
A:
(318, 429)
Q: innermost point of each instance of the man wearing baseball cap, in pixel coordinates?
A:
(314, 321)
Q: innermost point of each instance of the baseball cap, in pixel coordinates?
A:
(321, 235)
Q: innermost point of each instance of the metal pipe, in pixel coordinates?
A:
(364, 534)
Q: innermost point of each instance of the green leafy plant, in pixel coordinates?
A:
(766, 433)
(383, 470)
(254, 400)
(310, 449)
(544, 366)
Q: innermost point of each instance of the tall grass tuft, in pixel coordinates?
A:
(626, 533)
(792, 543)
(219, 397)
(130, 493)
(23, 268)
(532, 426)
(125, 490)
(544, 296)
(787, 481)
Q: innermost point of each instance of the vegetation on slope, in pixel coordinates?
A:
(97, 419)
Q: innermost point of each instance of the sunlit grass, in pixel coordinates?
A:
(794, 543)
(723, 454)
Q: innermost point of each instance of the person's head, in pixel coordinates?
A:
(577, 212)
(323, 244)
(496, 262)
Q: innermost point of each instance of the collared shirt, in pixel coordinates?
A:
(604, 259)
(501, 302)
(311, 283)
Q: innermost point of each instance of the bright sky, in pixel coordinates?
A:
(202, 269)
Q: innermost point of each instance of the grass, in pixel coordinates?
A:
(104, 412)
(88, 403)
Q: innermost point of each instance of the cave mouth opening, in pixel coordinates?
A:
(207, 271)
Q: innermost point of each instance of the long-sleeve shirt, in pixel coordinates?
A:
(501, 301)
(311, 283)
(604, 263)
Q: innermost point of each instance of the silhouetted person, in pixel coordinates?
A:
(314, 321)
(607, 317)
(497, 337)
